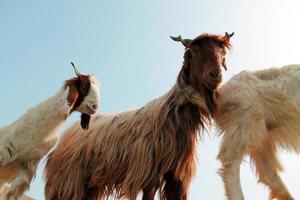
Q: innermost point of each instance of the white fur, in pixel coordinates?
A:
(93, 96)
(24, 142)
(259, 111)
(65, 108)
(33, 127)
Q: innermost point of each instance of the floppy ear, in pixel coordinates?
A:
(72, 96)
(68, 100)
(85, 121)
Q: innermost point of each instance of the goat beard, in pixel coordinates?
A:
(85, 121)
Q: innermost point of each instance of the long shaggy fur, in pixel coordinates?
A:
(128, 151)
(259, 111)
(149, 148)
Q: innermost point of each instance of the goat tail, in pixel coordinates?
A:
(65, 172)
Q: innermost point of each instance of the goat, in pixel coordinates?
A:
(145, 149)
(259, 111)
(24, 142)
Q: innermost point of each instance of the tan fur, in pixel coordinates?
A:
(124, 142)
(149, 148)
(259, 111)
(8, 172)
(23, 197)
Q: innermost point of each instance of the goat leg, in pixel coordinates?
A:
(173, 189)
(149, 193)
(22, 181)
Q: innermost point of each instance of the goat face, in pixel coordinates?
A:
(206, 65)
(204, 58)
(88, 95)
(88, 98)
(207, 58)
(83, 96)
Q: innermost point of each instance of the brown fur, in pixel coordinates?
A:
(79, 88)
(79, 85)
(142, 149)
(73, 93)
(8, 172)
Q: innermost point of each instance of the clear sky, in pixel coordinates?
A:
(126, 45)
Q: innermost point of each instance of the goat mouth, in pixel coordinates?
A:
(213, 85)
(91, 110)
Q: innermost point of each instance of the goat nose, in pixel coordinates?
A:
(95, 106)
(216, 74)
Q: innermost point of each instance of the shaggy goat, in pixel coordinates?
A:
(258, 112)
(24, 142)
(145, 149)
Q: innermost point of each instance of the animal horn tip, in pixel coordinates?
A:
(178, 38)
(75, 69)
(229, 35)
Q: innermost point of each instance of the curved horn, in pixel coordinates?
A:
(185, 42)
(75, 69)
(228, 36)
(177, 39)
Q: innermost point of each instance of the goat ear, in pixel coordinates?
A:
(73, 95)
(85, 121)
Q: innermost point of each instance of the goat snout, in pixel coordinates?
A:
(216, 74)
(92, 108)
(95, 106)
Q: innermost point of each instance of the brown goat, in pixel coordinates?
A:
(149, 148)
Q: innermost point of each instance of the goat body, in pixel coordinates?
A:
(146, 149)
(126, 152)
(24, 142)
(19, 139)
(259, 111)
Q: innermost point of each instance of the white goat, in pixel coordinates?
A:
(258, 112)
(24, 142)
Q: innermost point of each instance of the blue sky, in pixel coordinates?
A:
(126, 45)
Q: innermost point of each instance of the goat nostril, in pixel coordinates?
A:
(216, 74)
(95, 106)
(213, 75)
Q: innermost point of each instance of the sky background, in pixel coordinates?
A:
(126, 45)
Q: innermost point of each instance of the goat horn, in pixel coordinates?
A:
(228, 36)
(75, 69)
(185, 42)
(177, 39)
